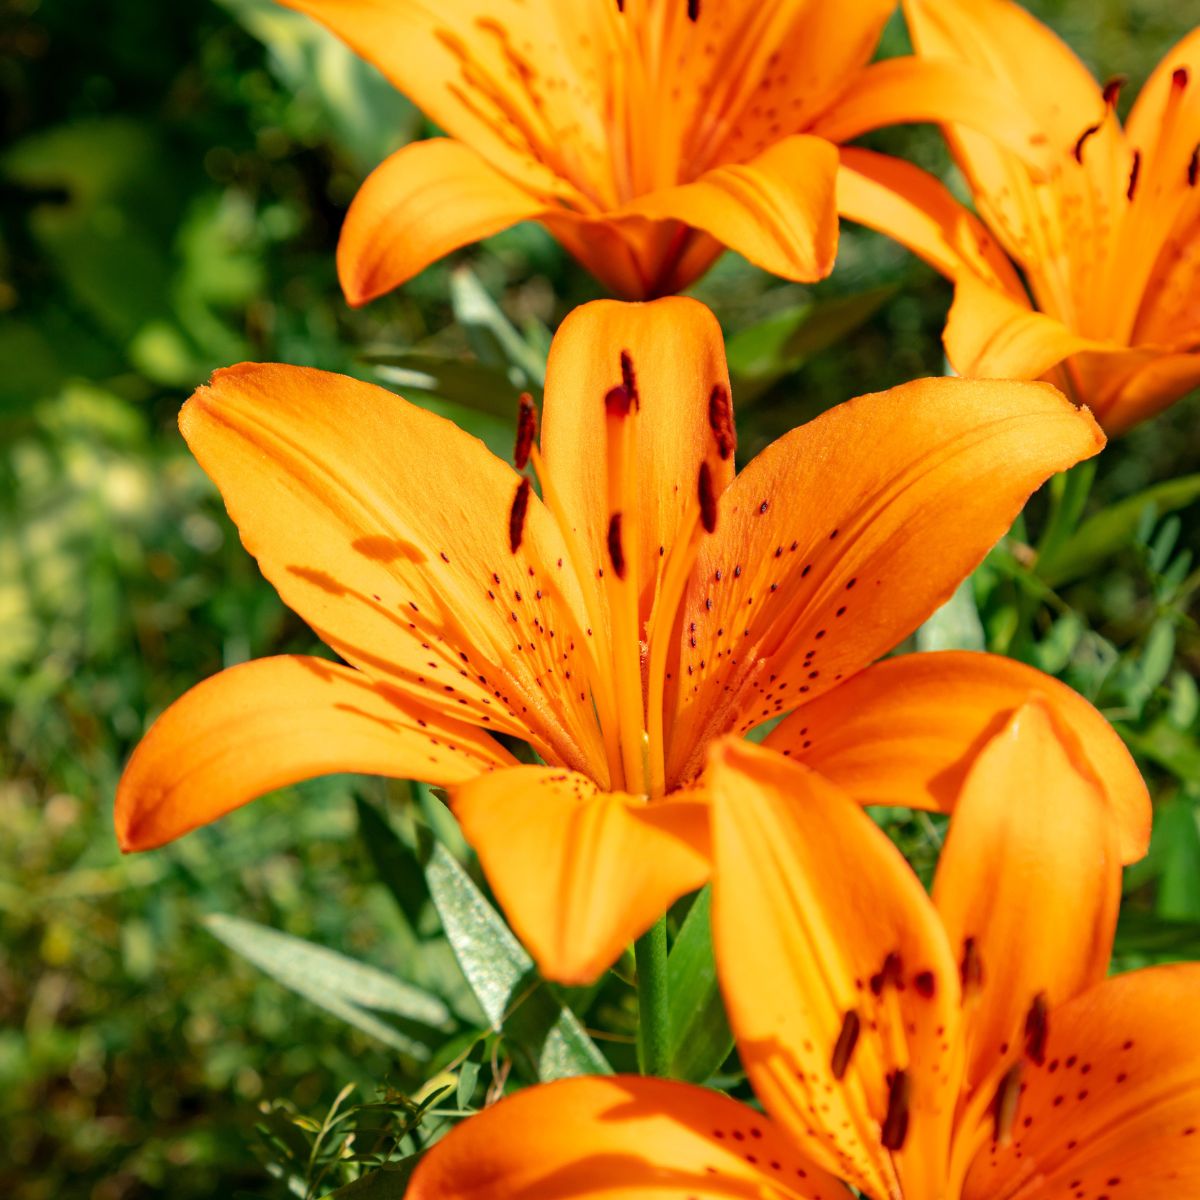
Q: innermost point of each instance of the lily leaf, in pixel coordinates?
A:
(700, 1039)
(492, 336)
(389, 1182)
(513, 997)
(1113, 529)
(350, 990)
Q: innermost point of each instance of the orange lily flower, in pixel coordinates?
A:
(1106, 238)
(646, 603)
(964, 1047)
(646, 135)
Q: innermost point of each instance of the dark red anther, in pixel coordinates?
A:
(720, 420)
(847, 1040)
(1083, 137)
(516, 516)
(629, 379)
(693, 10)
(1194, 168)
(1037, 1028)
(1004, 1106)
(889, 973)
(1134, 172)
(971, 968)
(1112, 90)
(526, 430)
(707, 498)
(616, 551)
(617, 401)
(620, 6)
(1179, 78)
(895, 1124)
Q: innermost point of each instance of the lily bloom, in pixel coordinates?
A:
(646, 603)
(645, 135)
(961, 1047)
(1107, 236)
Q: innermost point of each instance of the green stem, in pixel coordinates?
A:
(650, 955)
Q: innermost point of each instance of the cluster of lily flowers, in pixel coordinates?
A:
(627, 607)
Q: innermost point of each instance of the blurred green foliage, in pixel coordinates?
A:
(171, 184)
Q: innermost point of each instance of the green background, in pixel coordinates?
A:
(172, 181)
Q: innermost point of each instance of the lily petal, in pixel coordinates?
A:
(387, 529)
(1115, 1109)
(913, 89)
(992, 334)
(275, 721)
(907, 731)
(615, 1139)
(419, 204)
(816, 569)
(1069, 215)
(835, 970)
(776, 209)
(480, 69)
(1029, 877)
(917, 210)
(677, 356)
(580, 873)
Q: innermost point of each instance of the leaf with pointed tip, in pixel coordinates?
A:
(350, 990)
(515, 1000)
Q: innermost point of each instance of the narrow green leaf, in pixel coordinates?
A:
(389, 1182)
(954, 626)
(1107, 532)
(502, 976)
(762, 354)
(350, 990)
(699, 1038)
(492, 336)
(1147, 934)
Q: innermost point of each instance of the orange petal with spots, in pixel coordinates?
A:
(387, 529)
(777, 209)
(818, 924)
(580, 873)
(676, 357)
(606, 1139)
(1114, 1111)
(1030, 876)
(825, 557)
(907, 730)
(275, 721)
(917, 210)
(425, 200)
(489, 73)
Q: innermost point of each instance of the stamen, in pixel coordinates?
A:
(708, 499)
(617, 401)
(1037, 1028)
(1112, 89)
(889, 973)
(693, 9)
(616, 552)
(1193, 172)
(526, 430)
(1083, 137)
(516, 515)
(971, 969)
(895, 1124)
(1134, 171)
(720, 421)
(1004, 1107)
(847, 1040)
(629, 379)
